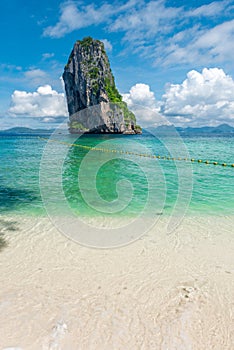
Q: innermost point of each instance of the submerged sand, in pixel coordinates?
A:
(162, 292)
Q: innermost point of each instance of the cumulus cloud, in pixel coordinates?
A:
(44, 103)
(140, 94)
(141, 100)
(205, 98)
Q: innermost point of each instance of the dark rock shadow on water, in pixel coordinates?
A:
(15, 201)
(6, 226)
(3, 242)
(12, 199)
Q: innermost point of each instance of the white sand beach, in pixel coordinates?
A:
(162, 292)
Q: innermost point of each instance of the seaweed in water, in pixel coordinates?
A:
(12, 198)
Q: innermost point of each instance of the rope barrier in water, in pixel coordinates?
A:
(91, 148)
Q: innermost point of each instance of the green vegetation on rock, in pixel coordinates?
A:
(93, 72)
(95, 87)
(138, 128)
(128, 115)
(115, 97)
(112, 92)
(77, 125)
(86, 42)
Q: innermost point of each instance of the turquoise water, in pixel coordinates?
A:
(193, 188)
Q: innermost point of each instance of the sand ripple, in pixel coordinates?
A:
(162, 292)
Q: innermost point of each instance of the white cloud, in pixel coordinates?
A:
(10, 67)
(140, 94)
(35, 73)
(107, 44)
(205, 98)
(49, 120)
(153, 29)
(47, 55)
(209, 10)
(146, 21)
(218, 41)
(142, 102)
(199, 45)
(73, 18)
(30, 78)
(44, 103)
(140, 16)
(35, 76)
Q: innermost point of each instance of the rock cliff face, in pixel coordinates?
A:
(89, 82)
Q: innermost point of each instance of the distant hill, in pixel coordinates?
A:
(223, 129)
(26, 131)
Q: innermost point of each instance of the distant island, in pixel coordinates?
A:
(94, 103)
(223, 129)
(26, 131)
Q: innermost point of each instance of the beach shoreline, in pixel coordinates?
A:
(164, 291)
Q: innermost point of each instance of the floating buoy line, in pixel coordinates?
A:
(146, 155)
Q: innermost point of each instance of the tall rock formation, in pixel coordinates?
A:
(89, 82)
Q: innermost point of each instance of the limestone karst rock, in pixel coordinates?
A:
(94, 103)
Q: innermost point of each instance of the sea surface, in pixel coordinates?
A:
(113, 182)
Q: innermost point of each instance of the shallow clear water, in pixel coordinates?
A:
(176, 186)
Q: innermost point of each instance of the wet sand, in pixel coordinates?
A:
(162, 292)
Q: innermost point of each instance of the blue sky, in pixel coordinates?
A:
(175, 57)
